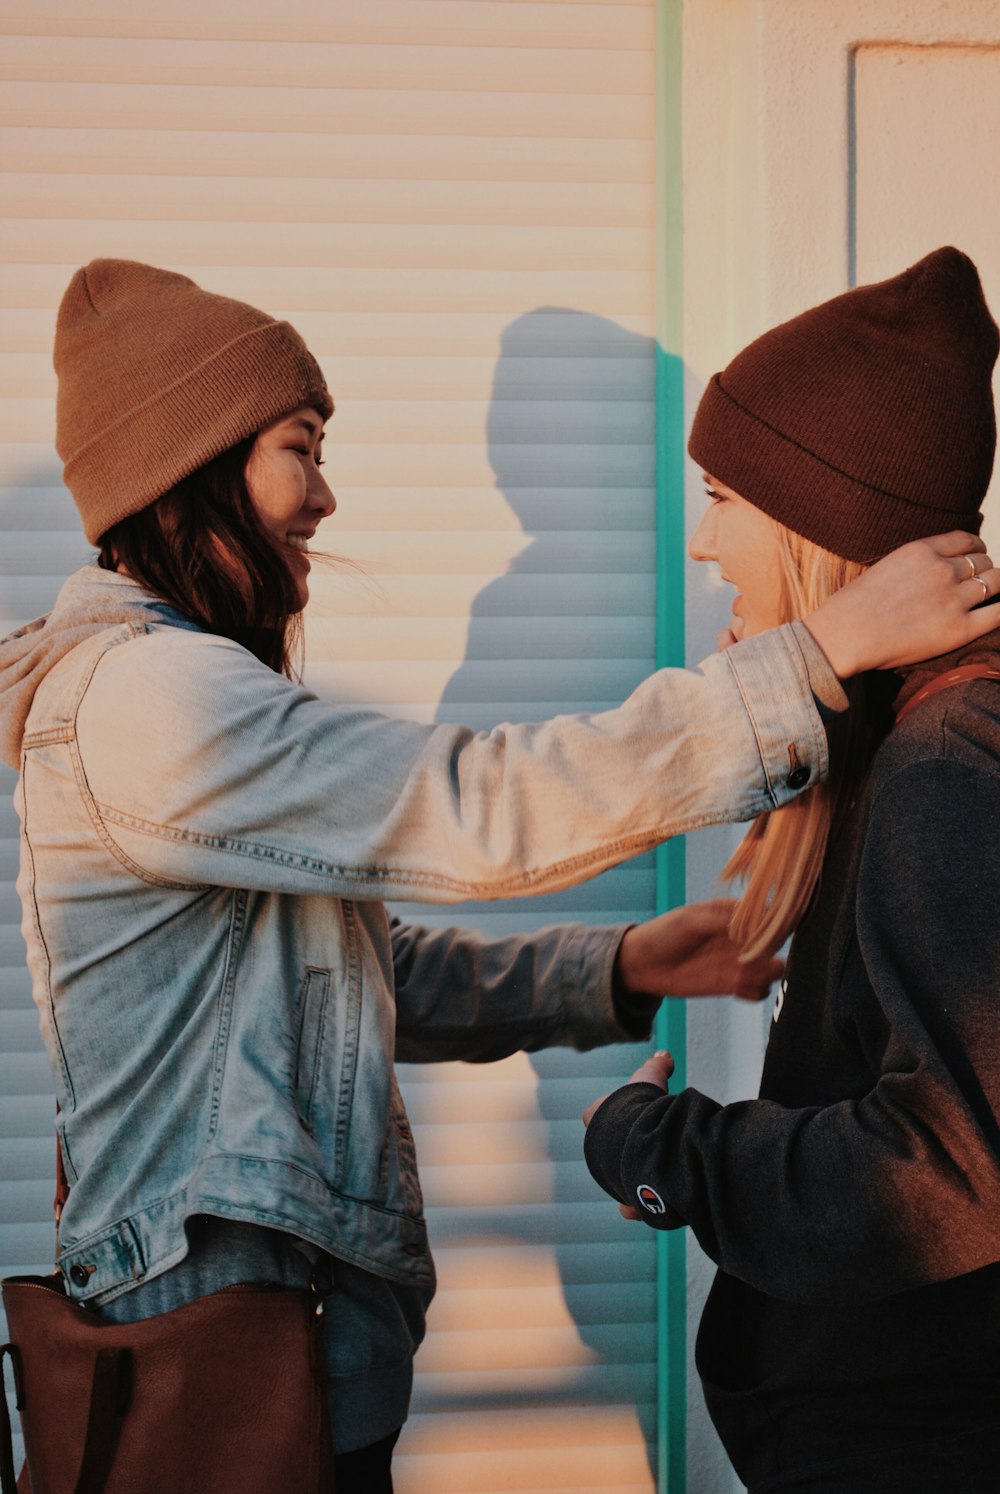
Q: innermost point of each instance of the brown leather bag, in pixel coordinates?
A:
(223, 1395)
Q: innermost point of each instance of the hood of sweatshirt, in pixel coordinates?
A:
(91, 601)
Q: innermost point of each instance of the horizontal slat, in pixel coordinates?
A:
(28, 1242)
(19, 1032)
(24, 1073)
(488, 1103)
(608, 293)
(508, 424)
(632, 1259)
(219, 200)
(539, 1428)
(324, 157)
(533, 1142)
(379, 337)
(613, 24)
(348, 595)
(371, 246)
(317, 64)
(493, 1307)
(382, 464)
(562, 686)
(336, 111)
(28, 1202)
(516, 379)
(15, 989)
(29, 1159)
(624, 1468)
(28, 1116)
(595, 1223)
(498, 1350)
(518, 638)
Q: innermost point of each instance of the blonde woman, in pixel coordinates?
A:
(851, 1342)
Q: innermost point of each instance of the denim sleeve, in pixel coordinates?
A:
(203, 767)
(460, 996)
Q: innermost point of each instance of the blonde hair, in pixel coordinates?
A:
(781, 857)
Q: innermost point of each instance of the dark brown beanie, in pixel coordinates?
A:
(867, 421)
(157, 377)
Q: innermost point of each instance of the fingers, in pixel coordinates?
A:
(592, 1109)
(970, 564)
(627, 1212)
(956, 542)
(983, 587)
(656, 1070)
(760, 976)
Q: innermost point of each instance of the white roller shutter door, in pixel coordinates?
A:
(453, 201)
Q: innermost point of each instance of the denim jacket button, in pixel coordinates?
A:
(79, 1274)
(798, 777)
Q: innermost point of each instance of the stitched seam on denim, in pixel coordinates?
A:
(756, 735)
(90, 804)
(256, 851)
(352, 1029)
(801, 667)
(37, 918)
(220, 1048)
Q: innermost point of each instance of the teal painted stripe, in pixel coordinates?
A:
(671, 1031)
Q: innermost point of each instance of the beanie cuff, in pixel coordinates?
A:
(838, 512)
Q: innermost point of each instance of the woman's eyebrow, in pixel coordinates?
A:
(306, 424)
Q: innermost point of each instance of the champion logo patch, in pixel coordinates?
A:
(650, 1199)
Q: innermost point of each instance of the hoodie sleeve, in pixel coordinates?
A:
(898, 1186)
(203, 766)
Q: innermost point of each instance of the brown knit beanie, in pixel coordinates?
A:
(157, 377)
(867, 421)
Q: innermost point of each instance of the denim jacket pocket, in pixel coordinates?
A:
(313, 998)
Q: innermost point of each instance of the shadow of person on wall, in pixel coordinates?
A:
(570, 626)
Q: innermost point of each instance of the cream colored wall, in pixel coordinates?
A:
(822, 138)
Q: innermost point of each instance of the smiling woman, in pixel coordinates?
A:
(850, 1341)
(746, 545)
(287, 488)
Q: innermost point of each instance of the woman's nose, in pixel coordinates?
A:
(322, 496)
(702, 545)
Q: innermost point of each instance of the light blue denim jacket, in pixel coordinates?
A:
(205, 852)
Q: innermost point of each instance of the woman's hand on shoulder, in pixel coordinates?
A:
(922, 600)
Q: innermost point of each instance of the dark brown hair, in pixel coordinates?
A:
(203, 549)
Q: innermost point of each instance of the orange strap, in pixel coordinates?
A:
(945, 681)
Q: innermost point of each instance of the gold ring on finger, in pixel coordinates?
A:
(986, 590)
(972, 566)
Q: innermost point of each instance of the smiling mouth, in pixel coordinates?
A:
(298, 542)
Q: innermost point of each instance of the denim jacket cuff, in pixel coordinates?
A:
(773, 676)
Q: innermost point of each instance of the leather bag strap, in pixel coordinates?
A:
(110, 1397)
(944, 682)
